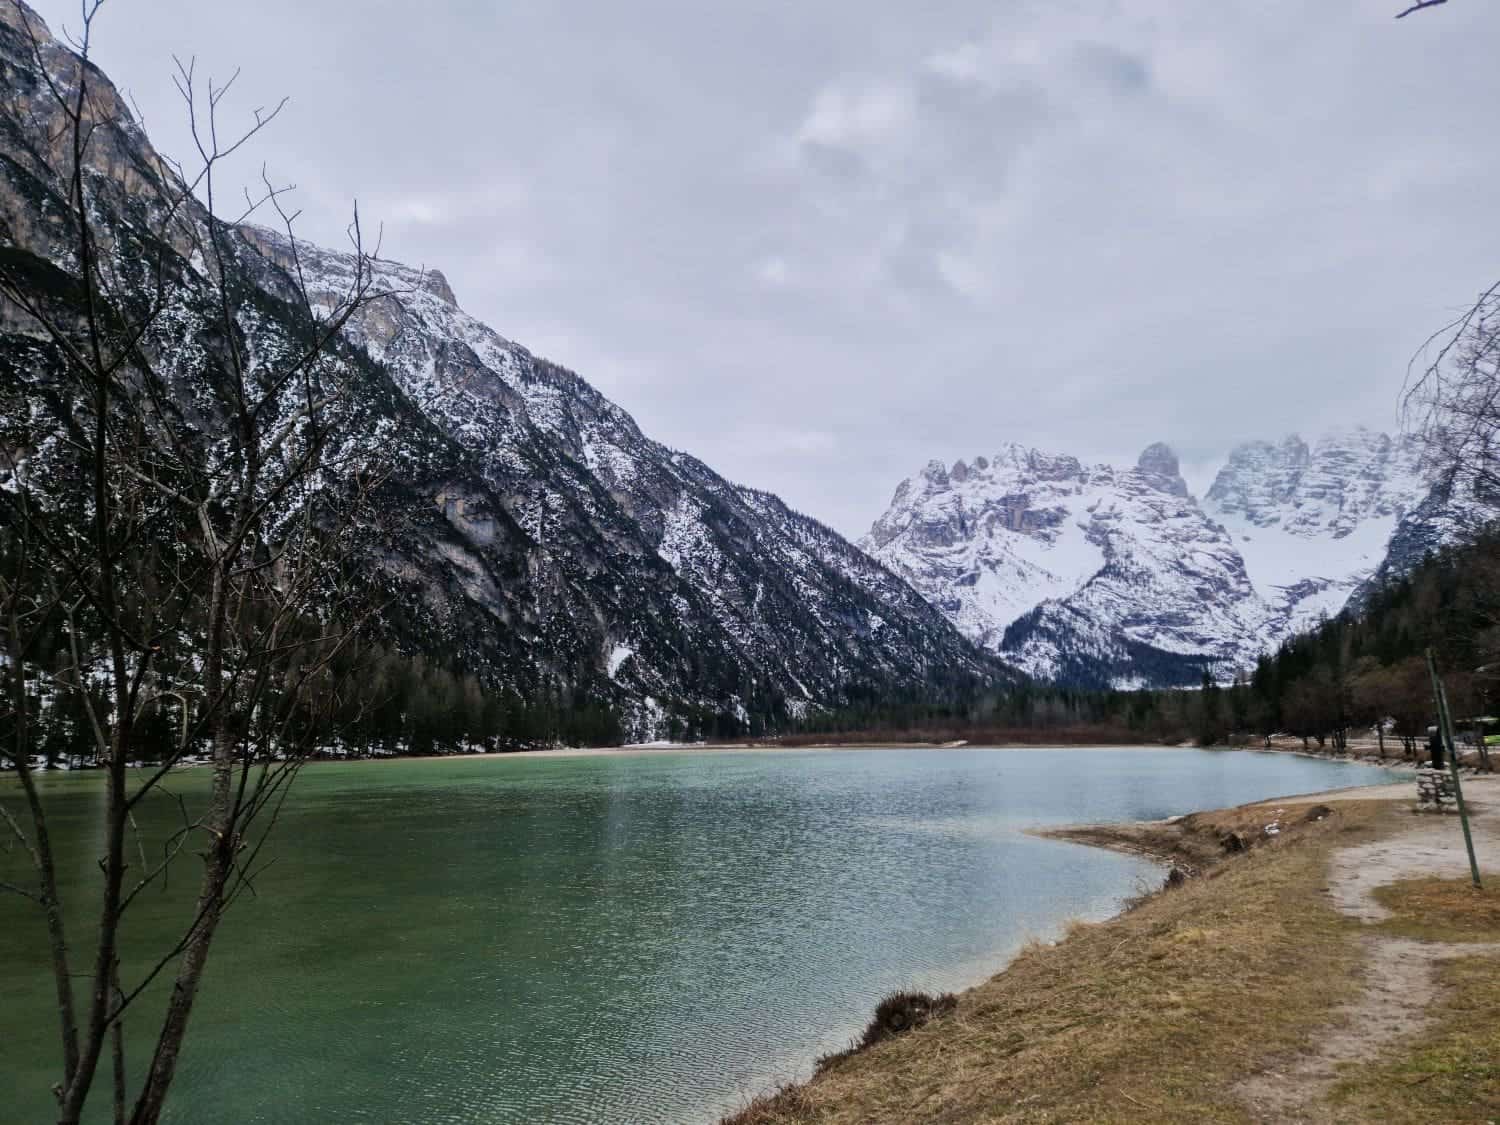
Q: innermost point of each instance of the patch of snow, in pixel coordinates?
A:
(618, 655)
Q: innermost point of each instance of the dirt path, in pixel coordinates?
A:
(1400, 974)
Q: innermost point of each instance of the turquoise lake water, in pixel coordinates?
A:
(619, 938)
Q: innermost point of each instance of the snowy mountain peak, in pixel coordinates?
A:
(1159, 462)
(1027, 461)
(1104, 574)
(1259, 478)
(1346, 477)
(1313, 522)
(1158, 458)
(1042, 558)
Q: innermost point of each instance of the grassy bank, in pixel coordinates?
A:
(1157, 1014)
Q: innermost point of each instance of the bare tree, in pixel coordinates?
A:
(179, 502)
(1452, 399)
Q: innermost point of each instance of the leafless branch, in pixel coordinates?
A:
(1419, 6)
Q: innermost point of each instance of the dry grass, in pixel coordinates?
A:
(1442, 909)
(1199, 842)
(1149, 1017)
(1451, 1074)
(789, 1103)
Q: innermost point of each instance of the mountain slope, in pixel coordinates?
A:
(1097, 575)
(528, 531)
(1314, 522)
(1085, 573)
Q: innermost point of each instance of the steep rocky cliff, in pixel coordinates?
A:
(1081, 572)
(529, 532)
(1099, 575)
(1313, 522)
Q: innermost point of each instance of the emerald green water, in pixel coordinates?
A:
(631, 938)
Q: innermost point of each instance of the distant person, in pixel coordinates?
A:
(1435, 747)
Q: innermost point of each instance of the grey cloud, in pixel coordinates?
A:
(1087, 227)
(839, 163)
(1122, 71)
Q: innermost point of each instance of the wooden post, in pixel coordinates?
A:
(1445, 727)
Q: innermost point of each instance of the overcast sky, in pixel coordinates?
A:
(819, 243)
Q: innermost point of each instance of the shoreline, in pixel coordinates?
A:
(1351, 757)
(1187, 847)
(734, 748)
(1200, 839)
(650, 749)
(1226, 920)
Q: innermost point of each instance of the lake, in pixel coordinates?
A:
(616, 938)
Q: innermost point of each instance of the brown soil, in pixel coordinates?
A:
(1199, 842)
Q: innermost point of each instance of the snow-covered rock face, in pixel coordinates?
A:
(1314, 522)
(1158, 463)
(1105, 575)
(1050, 562)
(789, 599)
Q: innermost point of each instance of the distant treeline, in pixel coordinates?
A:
(1365, 666)
(389, 704)
(1361, 670)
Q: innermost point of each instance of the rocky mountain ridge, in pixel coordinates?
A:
(1314, 522)
(530, 534)
(1100, 575)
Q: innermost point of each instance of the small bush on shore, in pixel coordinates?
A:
(897, 1014)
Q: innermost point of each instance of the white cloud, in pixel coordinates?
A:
(421, 212)
(871, 114)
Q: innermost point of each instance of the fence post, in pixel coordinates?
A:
(1445, 725)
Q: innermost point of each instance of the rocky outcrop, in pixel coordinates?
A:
(1094, 574)
(1314, 522)
(1084, 573)
(1158, 463)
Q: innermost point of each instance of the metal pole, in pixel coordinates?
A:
(1445, 725)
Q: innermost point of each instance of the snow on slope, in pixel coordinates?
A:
(1050, 562)
(1314, 522)
(1102, 575)
(790, 601)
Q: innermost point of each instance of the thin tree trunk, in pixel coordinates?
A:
(105, 962)
(217, 863)
(57, 940)
(117, 1051)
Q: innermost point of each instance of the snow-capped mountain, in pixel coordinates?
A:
(1073, 571)
(1096, 574)
(530, 533)
(1314, 522)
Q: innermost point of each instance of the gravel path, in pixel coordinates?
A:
(1399, 974)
